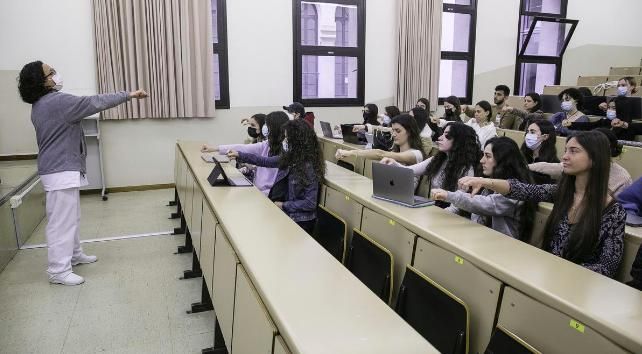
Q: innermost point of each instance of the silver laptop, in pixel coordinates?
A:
(397, 185)
(210, 158)
(328, 132)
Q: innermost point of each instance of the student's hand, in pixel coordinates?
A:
(616, 123)
(245, 121)
(566, 123)
(464, 108)
(341, 154)
(471, 184)
(434, 119)
(279, 204)
(603, 106)
(206, 148)
(507, 109)
(388, 161)
(439, 194)
(358, 128)
(232, 154)
(138, 94)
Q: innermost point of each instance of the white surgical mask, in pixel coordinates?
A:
(611, 114)
(57, 79)
(265, 130)
(284, 144)
(622, 90)
(532, 141)
(290, 115)
(567, 106)
(386, 120)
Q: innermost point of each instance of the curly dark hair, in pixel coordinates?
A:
(510, 164)
(31, 82)
(464, 154)
(410, 125)
(274, 122)
(304, 151)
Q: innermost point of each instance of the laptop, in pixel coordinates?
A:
(397, 185)
(349, 136)
(210, 158)
(633, 220)
(328, 132)
(218, 177)
(504, 341)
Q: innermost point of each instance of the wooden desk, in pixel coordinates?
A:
(288, 284)
(610, 310)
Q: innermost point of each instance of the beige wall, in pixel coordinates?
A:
(17, 135)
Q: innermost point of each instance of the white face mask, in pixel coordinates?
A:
(290, 115)
(57, 79)
(622, 90)
(567, 106)
(386, 120)
(265, 130)
(284, 145)
(532, 141)
(611, 114)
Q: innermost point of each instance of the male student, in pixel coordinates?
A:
(502, 118)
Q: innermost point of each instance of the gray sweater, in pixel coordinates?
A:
(505, 212)
(57, 118)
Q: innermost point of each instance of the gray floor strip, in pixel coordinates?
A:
(104, 239)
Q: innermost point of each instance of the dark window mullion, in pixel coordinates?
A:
(329, 51)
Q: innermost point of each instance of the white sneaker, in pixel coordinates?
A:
(68, 279)
(83, 259)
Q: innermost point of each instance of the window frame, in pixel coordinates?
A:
(300, 50)
(521, 58)
(220, 48)
(468, 56)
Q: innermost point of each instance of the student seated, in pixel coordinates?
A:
(371, 119)
(296, 111)
(452, 110)
(384, 120)
(407, 148)
(458, 156)
(423, 103)
(390, 112)
(619, 177)
(501, 116)
(626, 87)
(482, 123)
(621, 118)
(586, 225)
(571, 111)
(502, 160)
(269, 146)
(532, 104)
(254, 125)
(301, 170)
(428, 130)
(539, 146)
(631, 200)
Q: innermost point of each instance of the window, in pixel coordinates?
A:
(329, 52)
(457, 49)
(543, 35)
(219, 47)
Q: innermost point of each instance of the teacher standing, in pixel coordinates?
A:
(62, 154)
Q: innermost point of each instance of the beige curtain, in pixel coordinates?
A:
(418, 52)
(161, 46)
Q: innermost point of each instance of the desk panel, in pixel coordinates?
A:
(189, 199)
(208, 240)
(345, 207)
(475, 287)
(550, 330)
(195, 220)
(279, 346)
(396, 238)
(253, 329)
(224, 284)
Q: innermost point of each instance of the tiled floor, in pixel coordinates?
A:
(131, 301)
(123, 214)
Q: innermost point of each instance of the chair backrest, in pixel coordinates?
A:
(434, 312)
(372, 264)
(331, 232)
(505, 342)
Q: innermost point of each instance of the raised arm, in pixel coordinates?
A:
(257, 160)
(512, 189)
(79, 107)
(255, 148)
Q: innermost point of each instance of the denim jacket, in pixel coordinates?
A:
(301, 201)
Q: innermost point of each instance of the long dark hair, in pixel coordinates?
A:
(425, 102)
(548, 150)
(31, 82)
(304, 150)
(464, 154)
(537, 99)
(392, 111)
(260, 120)
(453, 100)
(372, 115)
(410, 125)
(584, 236)
(421, 116)
(274, 122)
(510, 164)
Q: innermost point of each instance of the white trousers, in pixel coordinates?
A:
(63, 229)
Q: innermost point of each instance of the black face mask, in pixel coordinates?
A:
(449, 112)
(252, 133)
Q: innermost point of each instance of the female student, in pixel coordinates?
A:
(458, 156)
(407, 148)
(371, 119)
(301, 170)
(503, 160)
(482, 122)
(270, 146)
(429, 131)
(618, 178)
(539, 146)
(62, 153)
(532, 104)
(571, 105)
(586, 225)
(452, 110)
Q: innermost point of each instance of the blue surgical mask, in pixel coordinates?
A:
(284, 145)
(567, 106)
(611, 114)
(57, 79)
(532, 141)
(622, 90)
(265, 130)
